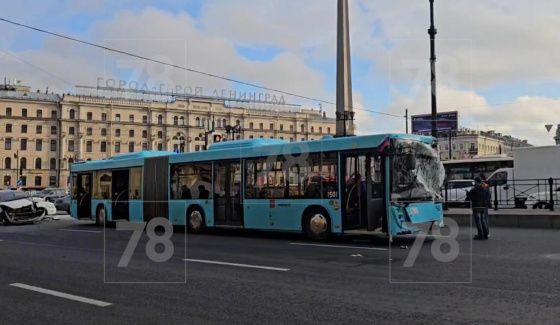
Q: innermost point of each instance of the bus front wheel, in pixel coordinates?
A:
(317, 225)
(195, 222)
(100, 216)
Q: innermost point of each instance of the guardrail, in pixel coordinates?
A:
(517, 194)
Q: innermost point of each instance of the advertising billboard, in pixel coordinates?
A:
(447, 122)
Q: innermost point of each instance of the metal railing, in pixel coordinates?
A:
(516, 194)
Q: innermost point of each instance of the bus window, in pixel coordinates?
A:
(376, 178)
(329, 185)
(102, 185)
(192, 181)
(265, 178)
(135, 184)
(74, 186)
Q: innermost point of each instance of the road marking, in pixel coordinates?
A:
(1, 240)
(341, 246)
(62, 295)
(269, 268)
(78, 230)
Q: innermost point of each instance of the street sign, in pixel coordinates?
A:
(548, 127)
(19, 182)
(447, 122)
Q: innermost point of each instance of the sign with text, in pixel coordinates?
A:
(447, 122)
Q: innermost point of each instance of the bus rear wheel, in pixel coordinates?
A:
(100, 216)
(317, 225)
(195, 221)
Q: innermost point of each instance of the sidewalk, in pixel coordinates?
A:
(514, 218)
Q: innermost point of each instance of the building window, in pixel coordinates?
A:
(131, 133)
(329, 130)
(37, 180)
(131, 147)
(224, 122)
(71, 145)
(52, 180)
(312, 129)
(321, 129)
(197, 148)
(131, 118)
(23, 180)
(160, 119)
(302, 128)
(291, 128)
(54, 114)
(53, 130)
(53, 145)
(52, 164)
(145, 119)
(89, 116)
(38, 163)
(24, 112)
(39, 129)
(39, 113)
(261, 126)
(7, 180)
(8, 128)
(250, 137)
(182, 121)
(281, 127)
(117, 132)
(160, 135)
(103, 146)
(8, 112)
(144, 134)
(71, 130)
(103, 116)
(144, 146)
(237, 122)
(89, 131)
(103, 132)
(23, 144)
(197, 121)
(89, 146)
(160, 146)
(23, 163)
(251, 125)
(38, 145)
(8, 144)
(271, 127)
(175, 120)
(72, 114)
(8, 163)
(117, 147)
(118, 118)
(203, 122)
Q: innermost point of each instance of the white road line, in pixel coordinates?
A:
(341, 246)
(1, 240)
(78, 230)
(94, 302)
(269, 268)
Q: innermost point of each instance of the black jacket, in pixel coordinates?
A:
(479, 195)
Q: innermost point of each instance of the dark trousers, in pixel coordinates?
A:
(481, 221)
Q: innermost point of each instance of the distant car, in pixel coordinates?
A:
(17, 208)
(457, 192)
(50, 194)
(63, 203)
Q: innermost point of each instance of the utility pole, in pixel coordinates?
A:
(344, 111)
(432, 32)
(406, 119)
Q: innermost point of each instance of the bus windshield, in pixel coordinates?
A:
(417, 172)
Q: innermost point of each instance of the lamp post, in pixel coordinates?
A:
(432, 32)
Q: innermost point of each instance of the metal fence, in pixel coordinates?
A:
(516, 194)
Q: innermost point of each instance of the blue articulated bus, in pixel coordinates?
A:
(389, 182)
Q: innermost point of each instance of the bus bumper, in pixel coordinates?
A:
(413, 218)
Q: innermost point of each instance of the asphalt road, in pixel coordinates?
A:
(262, 278)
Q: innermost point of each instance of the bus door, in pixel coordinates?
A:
(363, 191)
(120, 195)
(228, 205)
(84, 196)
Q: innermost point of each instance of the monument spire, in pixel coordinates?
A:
(344, 110)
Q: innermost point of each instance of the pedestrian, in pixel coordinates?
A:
(478, 196)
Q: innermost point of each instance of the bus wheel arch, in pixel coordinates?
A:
(316, 223)
(100, 215)
(195, 219)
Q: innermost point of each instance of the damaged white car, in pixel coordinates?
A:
(41, 203)
(17, 208)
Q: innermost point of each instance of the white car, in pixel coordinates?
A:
(457, 192)
(41, 203)
(16, 208)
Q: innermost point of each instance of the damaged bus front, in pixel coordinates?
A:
(414, 193)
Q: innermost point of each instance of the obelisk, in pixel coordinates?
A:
(344, 106)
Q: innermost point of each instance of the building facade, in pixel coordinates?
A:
(48, 132)
(468, 144)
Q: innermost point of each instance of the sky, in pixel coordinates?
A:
(497, 60)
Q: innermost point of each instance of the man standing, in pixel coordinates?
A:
(478, 196)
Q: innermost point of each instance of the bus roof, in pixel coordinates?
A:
(476, 160)
(248, 148)
(133, 159)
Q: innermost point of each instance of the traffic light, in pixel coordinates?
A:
(217, 138)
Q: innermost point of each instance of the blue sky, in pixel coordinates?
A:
(289, 45)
